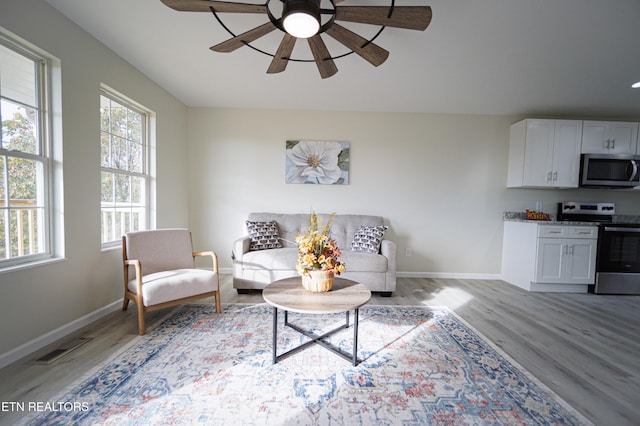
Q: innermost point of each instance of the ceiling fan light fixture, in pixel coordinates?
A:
(301, 18)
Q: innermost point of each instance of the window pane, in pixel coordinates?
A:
(119, 153)
(118, 119)
(25, 226)
(119, 224)
(138, 221)
(4, 254)
(107, 224)
(135, 126)
(107, 187)
(23, 180)
(105, 112)
(105, 150)
(2, 185)
(122, 188)
(19, 125)
(137, 191)
(18, 77)
(135, 158)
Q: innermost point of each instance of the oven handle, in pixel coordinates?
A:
(621, 229)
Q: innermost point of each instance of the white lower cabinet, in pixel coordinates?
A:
(542, 257)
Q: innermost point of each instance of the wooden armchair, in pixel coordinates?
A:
(162, 264)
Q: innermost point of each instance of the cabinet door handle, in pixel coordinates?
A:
(571, 250)
(613, 144)
(607, 144)
(549, 175)
(555, 176)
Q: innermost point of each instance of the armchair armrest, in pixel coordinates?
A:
(138, 267)
(214, 258)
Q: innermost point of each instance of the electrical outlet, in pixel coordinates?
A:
(408, 252)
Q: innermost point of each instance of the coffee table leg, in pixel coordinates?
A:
(355, 337)
(275, 333)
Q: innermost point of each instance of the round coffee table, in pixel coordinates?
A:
(289, 295)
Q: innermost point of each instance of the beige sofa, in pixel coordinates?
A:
(258, 264)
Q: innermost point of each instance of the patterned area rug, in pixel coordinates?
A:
(418, 366)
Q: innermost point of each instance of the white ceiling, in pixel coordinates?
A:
(574, 58)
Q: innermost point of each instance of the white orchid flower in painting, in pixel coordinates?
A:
(314, 162)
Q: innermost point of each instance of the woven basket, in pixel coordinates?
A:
(318, 281)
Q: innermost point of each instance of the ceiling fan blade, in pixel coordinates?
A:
(244, 38)
(409, 17)
(281, 58)
(373, 53)
(218, 6)
(321, 54)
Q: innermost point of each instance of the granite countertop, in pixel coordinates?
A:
(522, 217)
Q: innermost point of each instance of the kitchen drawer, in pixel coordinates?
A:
(560, 231)
(583, 232)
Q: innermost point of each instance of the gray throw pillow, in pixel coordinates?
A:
(263, 235)
(368, 238)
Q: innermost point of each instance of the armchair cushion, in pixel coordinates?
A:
(164, 286)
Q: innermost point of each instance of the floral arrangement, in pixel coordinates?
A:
(316, 251)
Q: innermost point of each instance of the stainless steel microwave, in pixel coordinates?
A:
(609, 170)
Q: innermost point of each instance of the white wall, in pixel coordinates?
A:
(439, 181)
(39, 300)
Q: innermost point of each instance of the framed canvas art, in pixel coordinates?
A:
(317, 162)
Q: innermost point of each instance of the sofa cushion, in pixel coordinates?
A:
(274, 259)
(368, 239)
(264, 235)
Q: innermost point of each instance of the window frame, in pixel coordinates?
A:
(145, 174)
(42, 66)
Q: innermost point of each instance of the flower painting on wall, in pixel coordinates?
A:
(317, 162)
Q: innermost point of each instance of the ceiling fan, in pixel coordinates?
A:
(307, 19)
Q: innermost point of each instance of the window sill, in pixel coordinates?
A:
(34, 264)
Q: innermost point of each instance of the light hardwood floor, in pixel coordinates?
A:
(585, 347)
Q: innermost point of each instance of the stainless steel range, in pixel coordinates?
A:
(618, 257)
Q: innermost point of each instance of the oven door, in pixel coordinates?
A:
(619, 249)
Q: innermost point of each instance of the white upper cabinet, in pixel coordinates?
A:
(545, 153)
(609, 137)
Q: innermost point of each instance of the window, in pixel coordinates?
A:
(25, 146)
(124, 167)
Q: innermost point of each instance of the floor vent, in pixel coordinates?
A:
(64, 349)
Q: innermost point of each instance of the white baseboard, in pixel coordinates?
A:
(451, 275)
(60, 332)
